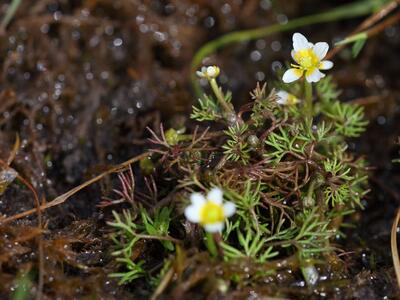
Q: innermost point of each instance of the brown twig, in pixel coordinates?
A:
(393, 242)
(372, 20)
(62, 198)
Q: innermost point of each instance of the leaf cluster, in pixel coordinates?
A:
(289, 175)
(128, 231)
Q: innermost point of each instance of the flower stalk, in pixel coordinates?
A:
(211, 73)
(308, 97)
(211, 244)
(220, 97)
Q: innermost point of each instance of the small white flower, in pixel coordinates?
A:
(210, 211)
(209, 72)
(309, 59)
(285, 98)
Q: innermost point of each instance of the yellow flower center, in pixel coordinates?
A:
(307, 59)
(211, 213)
(291, 100)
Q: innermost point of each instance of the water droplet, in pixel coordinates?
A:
(109, 30)
(260, 76)
(226, 9)
(160, 36)
(143, 28)
(276, 46)
(282, 19)
(209, 22)
(117, 42)
(260, 44)
(57, 15)
(139, 19)
(381, 120)
(276, 65)
(44, 28)
(265, 4)
(255, 55)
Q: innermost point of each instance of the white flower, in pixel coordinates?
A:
(285, 98)
(309, 59)
(209, 72)
(209, 211)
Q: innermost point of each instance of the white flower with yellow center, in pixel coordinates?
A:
(309, 59)
(209, 72)
(210, 211)
(285, 98)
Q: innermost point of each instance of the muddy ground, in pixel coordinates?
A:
(80, 82)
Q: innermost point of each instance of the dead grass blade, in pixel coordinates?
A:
(395, 252)
(62, 198)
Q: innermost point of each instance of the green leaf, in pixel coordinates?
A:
(357, 47)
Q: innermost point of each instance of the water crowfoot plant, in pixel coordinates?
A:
(282, 164)
(309, 58)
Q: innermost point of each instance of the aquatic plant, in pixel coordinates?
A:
(282, 164)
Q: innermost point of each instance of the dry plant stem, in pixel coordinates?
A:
(375, 18)
(382, 26)
(14, 150)
(64, 197)
(160, 238)
(393, 242)
(163, 284)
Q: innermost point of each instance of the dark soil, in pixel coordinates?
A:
(80, 82)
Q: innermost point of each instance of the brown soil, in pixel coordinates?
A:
(82, 79)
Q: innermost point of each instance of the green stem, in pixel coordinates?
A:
(12, 9)
(347, 11)
(211, 245)
(308, 97)
(309, 200)
(220, 96)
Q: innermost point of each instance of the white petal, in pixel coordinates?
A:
(300, 42)
(310, 45)
(215, 227)
(229, 209)
(326, 65)
(292, 54)
(192, 213)
(282, 97)
(211, 71)
(197, 199)
(292, 75)
(314, 75)
(200, 74)
(281, 102)
(215, 195)
(321, 49)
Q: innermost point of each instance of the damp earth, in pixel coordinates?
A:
(81, 81)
